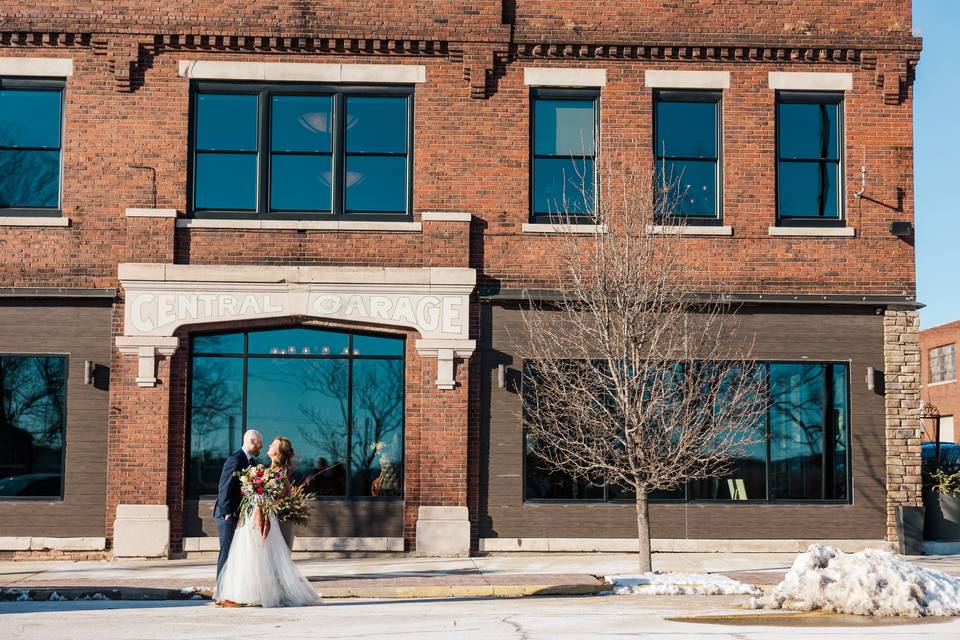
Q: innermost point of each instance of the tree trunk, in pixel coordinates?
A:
(643, 532)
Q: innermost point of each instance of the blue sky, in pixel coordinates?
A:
(937, 141)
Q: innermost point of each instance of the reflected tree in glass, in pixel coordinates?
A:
(31, 425)
(215, 420)
(377, 438)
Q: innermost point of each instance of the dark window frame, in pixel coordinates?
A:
(245, 356)
(264, 91)
(63, 436)
(557, 93)
(812, 97)
(28, 83)
(827, 364)
(692, 95)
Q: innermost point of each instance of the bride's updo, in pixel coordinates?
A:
(284, 457)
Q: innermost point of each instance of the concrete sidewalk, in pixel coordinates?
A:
(399, 577)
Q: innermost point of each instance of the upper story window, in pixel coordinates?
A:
(31, 133)
(687, 152)
(943, 364)
(564, 131)
(301, 151)
(809, 158)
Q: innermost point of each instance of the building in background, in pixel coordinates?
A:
(938, 378)
(319, 220)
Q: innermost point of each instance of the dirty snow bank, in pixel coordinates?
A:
(679, 584)
(868, 583)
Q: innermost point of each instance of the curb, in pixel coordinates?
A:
(43, 594)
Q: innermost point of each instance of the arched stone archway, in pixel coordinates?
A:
(162, 300)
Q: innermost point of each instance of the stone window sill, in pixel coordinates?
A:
(563, 228)
(133, 212)
(813, 232)
(659, 229)
(937, 384)
(34, 221)
(300, 225)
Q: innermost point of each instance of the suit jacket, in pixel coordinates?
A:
(228, 495)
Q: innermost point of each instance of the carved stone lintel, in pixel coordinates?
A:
(147, 348)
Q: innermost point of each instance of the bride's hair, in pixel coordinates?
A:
(284, 452)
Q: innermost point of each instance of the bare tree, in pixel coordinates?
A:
(633, 378)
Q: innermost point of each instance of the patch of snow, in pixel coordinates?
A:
(23, 596)
(940, 547)
(188, 590)
(55, 597)
(679, 584)
(868, 583)
(96, 596)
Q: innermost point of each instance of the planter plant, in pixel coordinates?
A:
(941, 500)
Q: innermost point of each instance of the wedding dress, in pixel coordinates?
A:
(260, 571)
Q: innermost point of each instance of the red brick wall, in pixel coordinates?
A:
(127, 105)
(946, 395)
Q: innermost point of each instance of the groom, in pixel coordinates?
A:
(227, 509)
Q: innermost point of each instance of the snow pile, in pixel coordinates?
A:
(868, 583)
(679, 584)
(55, 597)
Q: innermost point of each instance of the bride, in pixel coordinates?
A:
(259, 569)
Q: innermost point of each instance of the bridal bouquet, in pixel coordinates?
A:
(260, 487)
(293, 508)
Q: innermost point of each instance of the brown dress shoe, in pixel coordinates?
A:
(228, 603)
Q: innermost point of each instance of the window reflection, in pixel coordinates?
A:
(377, 440)
(686, 152)
(808, 162)
(30, 124)
(216, 394)
(32, 413)
(803, 454)
(342, 408)
(564, 147)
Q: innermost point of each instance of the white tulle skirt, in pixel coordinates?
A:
(261, 571)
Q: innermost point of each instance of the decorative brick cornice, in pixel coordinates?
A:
(760, 53)
(129, 52)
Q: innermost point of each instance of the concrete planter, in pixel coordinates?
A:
(942, 520)
(288, 529)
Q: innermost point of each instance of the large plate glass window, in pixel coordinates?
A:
(687, 153)
(301, 151)
(31, 140)
(33, 410)
(337, 396)
(804, 456)
(809, 158)
(563, 149)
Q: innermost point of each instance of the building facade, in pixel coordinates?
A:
(320, 221)
(938, 379)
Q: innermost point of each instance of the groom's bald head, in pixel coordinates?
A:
(252, 442)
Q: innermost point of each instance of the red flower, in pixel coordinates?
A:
(258, 480)
(259, 489)
(259, 472)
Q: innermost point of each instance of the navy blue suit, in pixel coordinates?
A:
(228, 503)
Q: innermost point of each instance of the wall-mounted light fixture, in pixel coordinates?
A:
(901, 228)
(88, 371)
(501, 375)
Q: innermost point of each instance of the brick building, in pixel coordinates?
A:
(938, 378)
(318, 219)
